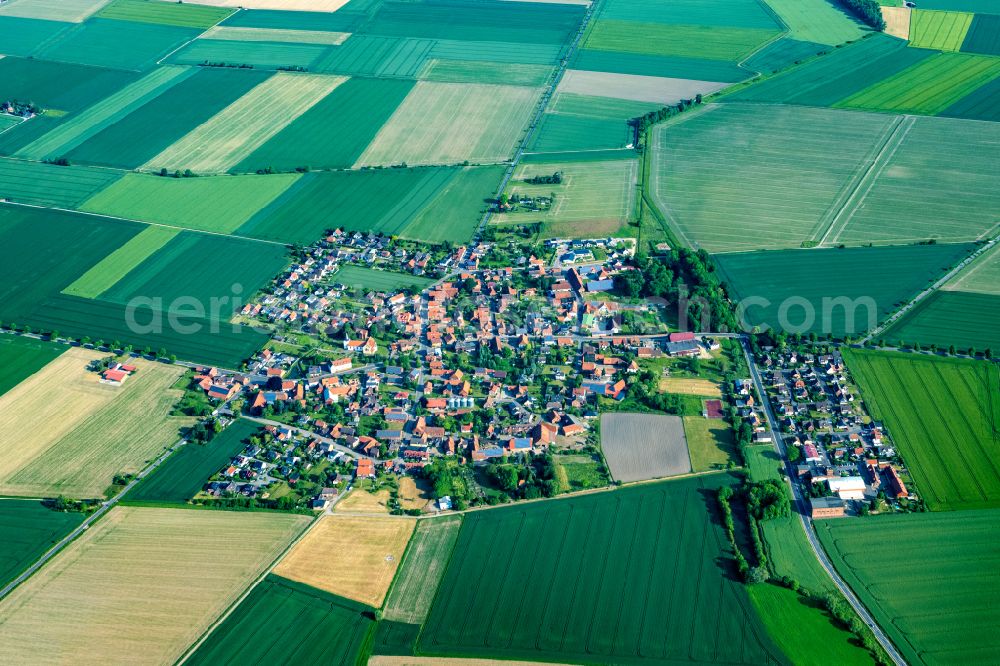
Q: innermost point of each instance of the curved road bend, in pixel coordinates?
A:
(803, 507)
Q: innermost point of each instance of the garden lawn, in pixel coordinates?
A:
(931, 593)
(218, 204)
(943, 415)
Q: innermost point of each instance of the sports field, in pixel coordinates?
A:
(297, 622)
(50, 185)
(741, 177)
(28, 529)
(638, 572)
(423, 566)
(129, 567)
(943, 31)
(594, 199)
(836, 291)
(238, 130)
(73, 434)
(182, 475)
(360, 277)
(22, 357)
(943, 415)
(350, 556)
(931, 593)
(218, 204)
(448, 123)
(710, 443)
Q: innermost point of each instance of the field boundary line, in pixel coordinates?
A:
(863, 185)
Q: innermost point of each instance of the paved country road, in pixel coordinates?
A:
(803, 511)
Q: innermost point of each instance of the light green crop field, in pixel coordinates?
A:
(119, 263)
(219, 204)
(454, 213)
(943, 31)
(790, 555)
(51, 185)
(763, 462)
(467, 71)
(737, 177)
(89, 122)
(692, 41)
(448, 123)
(937, 182)
(71, 11)
(933, 590)
(961, 318)
(710, 443)
(246, 124)
(816, 21)
(371, 279)
(594, 198)
(928, 87)
(782, 610)
(982, 276)
(423, 566)
(943, 414)
(187, 15)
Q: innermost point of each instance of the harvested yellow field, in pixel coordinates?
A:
(351, 556)
(66, 433)
(360, 500)
(140, 586)
(690, 387)
(897, 21)
(229, 136)
(379, 660)
(414, 493)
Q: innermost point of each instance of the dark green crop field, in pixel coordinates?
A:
(788, 280)
(22, 357)
(980, 104)
(116, 44)
(59, 85)
(27, 530)
(948, 318)
(636, 575)
(943, 414)
(930, 580)
(184, 473)
(984, 35)
(283, 622)
(50, 185)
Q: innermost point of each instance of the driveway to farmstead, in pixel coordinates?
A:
(803, 511)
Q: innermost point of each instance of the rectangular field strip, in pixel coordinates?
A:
(942, 31)
(120, 262)
(418, 578)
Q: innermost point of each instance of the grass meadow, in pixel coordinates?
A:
(710, 443)
(28, 529)
(418, 577)
(287, 618)
(614, 576)
(932, 591)
(943, 416)
(364, 278)
(130, 567)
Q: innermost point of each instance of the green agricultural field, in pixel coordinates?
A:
(465, 71)
(345, 20)
(983, 35)
(8, 121)
(334, 132)
(57, 85)
(235, 132)
(702, 69)
(798, 625)
(116, 44)
(426, 129)
(583, 122)
(238, 34)
(86, 124)
(260, 55)
(735, 13)
(944, 416)
(28, 529)
(129, 143)
(418, 578)
(981, 104)
(763, 462)
(789, 554)
(982, 276)
(689, 41)
(832, 291)
(817, 21)
(22, 357)
(951, 318)
(292, 622)
(594, 199)
(164, 13)
(50, 185)
(72, 11)
(184, 473)
(629, 575)
(929, 87)
(22, 36)
(937, 182)
(826, 80)
(980, 6)
(932, 592)
(740, 177)
(374, 55)
(782, 54)
(495, 52)
(106, 273)
(710, 443)
(391, 201)
(942, 31)
(218, 204)
(363, 278)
